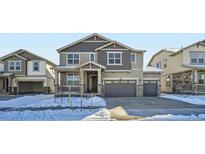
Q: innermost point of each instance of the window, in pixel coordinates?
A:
(133, 58)
(14, 65)
(73, 79)
(168, 81)
(73, 58)
(114, 58)
(158, 65)
(165, 63)
(35, 66)
(201, 77)
(197, 58)
(92, 57)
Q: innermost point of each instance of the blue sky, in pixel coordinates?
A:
(45, 44)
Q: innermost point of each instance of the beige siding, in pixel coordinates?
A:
(139, 61)
(186, 53)
(152, 75)
(132, 74)
(1, 85)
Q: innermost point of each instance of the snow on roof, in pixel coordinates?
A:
(173, 49)
(152, 69)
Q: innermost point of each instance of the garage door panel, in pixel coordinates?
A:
(30, 87)
(120, 89)
(150, 88)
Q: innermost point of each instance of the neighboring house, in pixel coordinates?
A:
(183, 69)
(25, 72)
(96, 64)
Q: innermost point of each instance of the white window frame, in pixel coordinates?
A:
(73, 53)
(38, 66)
(197, 57)
(134, 56)
(14, 61)
(73, 81)
(90, 56)
(114, 52)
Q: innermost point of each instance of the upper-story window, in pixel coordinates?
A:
(114, 58)
(197, 57)
(92, 57)
(158, 65)
(165, 63)
(133, 57)
(36, 66)
(73, 58)
(14, 65)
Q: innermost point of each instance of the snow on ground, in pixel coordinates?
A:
(192, 99)
(46, 115)
(48, 100)
(170, 117)
(39, 101)
(102, 115)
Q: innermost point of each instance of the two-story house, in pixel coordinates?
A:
(96, 64)
(183, 69)
(25, 72)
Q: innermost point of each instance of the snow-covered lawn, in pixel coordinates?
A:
(37, 102)
(192, 99)
(170, 117)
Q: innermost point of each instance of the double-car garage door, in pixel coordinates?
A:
(120, 88)
(30, 87)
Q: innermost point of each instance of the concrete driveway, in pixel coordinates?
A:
(149, 106)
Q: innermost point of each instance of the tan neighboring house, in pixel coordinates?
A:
(25, 72)
(96, 64)
(183, 69)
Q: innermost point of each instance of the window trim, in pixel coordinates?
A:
(135, 57)
(38, 66)
(197, 57)
(90, 57)
(73, 81)
(115, 52)
(73, 58)
(15, 61)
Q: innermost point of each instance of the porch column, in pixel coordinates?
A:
(9, 84)
(99, 82)
(195, 76)
(56, 78)
(81, 81)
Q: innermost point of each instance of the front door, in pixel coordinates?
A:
(92, 82)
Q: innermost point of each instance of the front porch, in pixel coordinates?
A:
(83, 80)
(5, 83)
(192, 81)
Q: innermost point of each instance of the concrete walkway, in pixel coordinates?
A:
(149, 106)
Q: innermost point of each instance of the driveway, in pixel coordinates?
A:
(150, 106)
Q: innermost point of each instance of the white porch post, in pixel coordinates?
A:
(9, 84)
(99, 82)
(56, 78)
(195, 76)
(81, 81)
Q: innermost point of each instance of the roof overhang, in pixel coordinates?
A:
(3, 74)
(195, 66)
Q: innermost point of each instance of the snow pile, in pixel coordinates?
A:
(48, 100)
(192, 99)
(102, 115)
(170, 117)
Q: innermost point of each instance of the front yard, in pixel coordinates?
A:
(168, 107)
(43, 107)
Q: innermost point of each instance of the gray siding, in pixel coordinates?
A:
(126, 63)
(30, 56)
(23, 66)
(84, 47)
